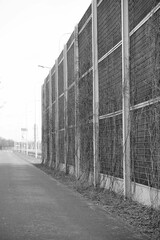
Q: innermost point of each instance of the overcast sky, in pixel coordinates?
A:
(32, 32)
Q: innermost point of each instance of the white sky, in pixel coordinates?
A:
(32, 33)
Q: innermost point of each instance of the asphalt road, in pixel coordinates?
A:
(35, 206)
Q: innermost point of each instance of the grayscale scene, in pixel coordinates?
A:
(80, 120)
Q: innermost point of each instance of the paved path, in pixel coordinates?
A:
(35, 207)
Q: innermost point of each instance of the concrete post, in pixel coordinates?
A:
(126, 99)
(65, 107)
(56, 114)
(95, 93)
(42, 117)
(35, 139)
(45, 123)
(50, 120)
(77, 131)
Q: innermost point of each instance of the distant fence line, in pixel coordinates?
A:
(100, 101)
(28, 148)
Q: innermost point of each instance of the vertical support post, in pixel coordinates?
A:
(45, 124)
(95, 93)
(56, 114)
(27, 142)
(35, 139)
(77, 131)
(42, 127)
(50, 119)
(35, 126)
(126, 99)
(65, 107)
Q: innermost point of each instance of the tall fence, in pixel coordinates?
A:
(101, 99)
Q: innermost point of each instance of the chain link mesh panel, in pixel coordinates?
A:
(85, 49)
(53, 118)
(145, 145)
(110, 146)
(60, 57)
(70, 40)
(70, 65)
(139, 9)
(53, 149)
(60, 79)
(85, 18)
(110, 83)
(61, 146)
(71, 146)
(53, 87)
(145, 61)
(71, 106)
(86, 147)
(61, 112)
(47, 94)
(85, 103)
(109, 25)
(47, 135)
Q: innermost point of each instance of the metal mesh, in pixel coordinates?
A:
(53, 87)
(61, 146)
(43, 97)
(52, 69)
(110, 146)
(47, 121)
(84, 18)
(110, 83)
(70, 65)
(47, 134)
(61, 112)
(47, 94)
(70, 40)
(85, 49)
(145, 41)
(71, 106)
(109, 25)
(71, 146)
(144, 85)
(60, 57)
(85, 105)
(53, 148)
(48, 149)
(145, 145)
(139, 9)
(86, 147)
(60, 79)
(53, 118)
(86, 98)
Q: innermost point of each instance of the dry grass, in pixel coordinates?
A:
(145, 219)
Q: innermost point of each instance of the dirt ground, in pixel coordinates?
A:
(144, 219)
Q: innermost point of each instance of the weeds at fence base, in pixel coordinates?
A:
(146, 220)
